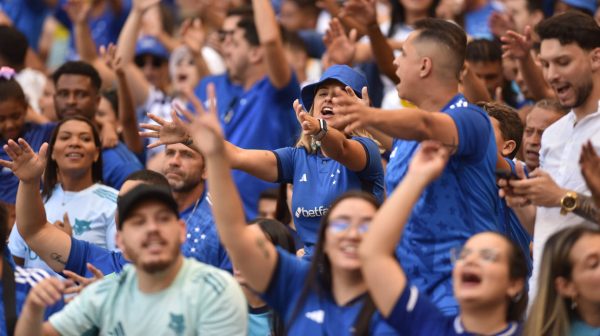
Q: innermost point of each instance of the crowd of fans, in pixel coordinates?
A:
(300, 167)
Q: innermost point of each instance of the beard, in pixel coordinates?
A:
(582, 94)
(154, 265)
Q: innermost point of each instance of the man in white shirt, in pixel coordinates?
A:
(555, 196)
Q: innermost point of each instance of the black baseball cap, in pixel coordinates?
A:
(143, 192)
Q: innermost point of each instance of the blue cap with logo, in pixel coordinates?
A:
(341, 73)
(589, 5)
(149, 45)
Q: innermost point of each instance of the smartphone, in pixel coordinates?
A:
(506, 174)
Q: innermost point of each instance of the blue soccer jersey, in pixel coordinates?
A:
(414, 314)
(117, 163)
(82, 252)
(260, 118)
(319, 180)
(462, 202)
(202, 240)
(318, 314)
(35, 135)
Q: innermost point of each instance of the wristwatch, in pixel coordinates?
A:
(568, 203)
(322, 131)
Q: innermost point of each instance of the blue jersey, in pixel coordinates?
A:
(117, 163)
(414, 314)
(28, 17)
(25, 279)
(105, 27)
(260, 118)
(319, 180)
(202, 240)
(35, 135)
(83, 252)
(476, 22)
(462, 202)
(318, 314)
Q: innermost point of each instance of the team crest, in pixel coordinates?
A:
(81, 226)
(177, 324)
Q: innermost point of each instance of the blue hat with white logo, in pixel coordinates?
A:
(149, 45)
(341, 73)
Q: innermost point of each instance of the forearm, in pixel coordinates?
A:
(385, 140)
(86, 48)
(201, 65)
(407, 123)
(127, 116)
(30, 210)
(30, 321)
(534, 79)
(474, 89)
(258, 163)
(383, 52)
(348, 152)
(128, 36)
(587, 209)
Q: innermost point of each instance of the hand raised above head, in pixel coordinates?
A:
(26, 164)
(167, 132)
(205, 126)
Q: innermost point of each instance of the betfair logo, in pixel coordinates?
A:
(308, 213)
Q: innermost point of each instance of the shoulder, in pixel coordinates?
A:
(209, 282)
(105, 192)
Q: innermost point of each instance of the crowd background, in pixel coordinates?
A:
(278, 128)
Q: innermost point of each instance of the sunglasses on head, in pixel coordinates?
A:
(142, 60)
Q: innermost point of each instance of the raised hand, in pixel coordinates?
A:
(516, 45)
(167, 132)
(355, 111)
(361, 14)
(78, 10)
(429, 161)
(590, 169)
(500, 23)
(341, 48)
(193, 35)
(65, 226)
(205, 127)
(309, 124)
(110, 58)
(26, 164)
(80, 282)
(46, 293)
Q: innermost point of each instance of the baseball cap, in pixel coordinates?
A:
(149, 45)
(143, 192)
(341, 73)
(589, 5)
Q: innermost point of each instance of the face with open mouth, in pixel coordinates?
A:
(185, 75)
(347, 223)
(538, 119)
(323, 102)
(481, 274)
(74, 149)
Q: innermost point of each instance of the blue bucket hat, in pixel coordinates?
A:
(589, 5)
(148, 45)
(341, 73)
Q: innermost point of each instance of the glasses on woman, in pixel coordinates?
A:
(156, 62)
(342, 225)
(488, 255)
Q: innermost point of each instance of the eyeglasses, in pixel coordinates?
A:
(224, 33)
(340, 225)
(142, 60)
(460, 254)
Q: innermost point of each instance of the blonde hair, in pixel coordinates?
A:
(550, 314)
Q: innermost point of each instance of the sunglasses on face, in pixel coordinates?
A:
(460, 254)
(340, 225)
(155, 62)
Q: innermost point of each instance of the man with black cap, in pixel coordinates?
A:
(178, 294)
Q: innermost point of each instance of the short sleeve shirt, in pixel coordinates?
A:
(202, 300)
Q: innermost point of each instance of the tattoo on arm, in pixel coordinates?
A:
(587, 209)
(58, 258)
(262, 244)
(452, 147)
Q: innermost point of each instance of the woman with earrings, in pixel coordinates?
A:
(568, 296)
(74, 196)
(326, 161)
(489, 273)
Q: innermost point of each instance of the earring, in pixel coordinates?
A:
(573, 303)
(517, 297)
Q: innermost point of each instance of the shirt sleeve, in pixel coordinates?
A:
(82, 316)
(111, 235)
(83, 252)
(285, 164)
(373, 169)
(224, 311)
(474, 131)
(286, 283)
(16, 244)
(414, 314)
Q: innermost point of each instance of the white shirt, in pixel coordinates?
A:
(91, 214)
(559, 157)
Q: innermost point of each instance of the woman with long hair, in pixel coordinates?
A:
(489, 274)
(72, 189)
(326, 296)
(325, 163)
(568, 296)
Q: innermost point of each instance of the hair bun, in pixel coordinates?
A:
(7, 73)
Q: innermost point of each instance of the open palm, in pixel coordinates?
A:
(205, 127)
(26, 164)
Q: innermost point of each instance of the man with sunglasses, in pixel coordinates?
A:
(255, 95)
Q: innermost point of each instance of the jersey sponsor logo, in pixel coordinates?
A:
(81, 226)
(177, 323)
(303, 178)
(317, 316)
(308, 213)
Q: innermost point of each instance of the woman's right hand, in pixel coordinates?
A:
(26, 164)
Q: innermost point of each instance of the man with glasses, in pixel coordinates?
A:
(255, 95)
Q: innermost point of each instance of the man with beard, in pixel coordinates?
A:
(554, 195)
(184, 169)
(176, 295)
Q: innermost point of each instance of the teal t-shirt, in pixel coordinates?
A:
(580, 328)
(202, 300)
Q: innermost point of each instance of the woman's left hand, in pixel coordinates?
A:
(167, 132)
(310, 124)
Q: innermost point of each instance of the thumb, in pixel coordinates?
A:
(520, 169)
(353, 35)
(43, 152)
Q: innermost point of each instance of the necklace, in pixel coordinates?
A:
(193, 212)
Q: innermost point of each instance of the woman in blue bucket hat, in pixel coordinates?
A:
(325, 163)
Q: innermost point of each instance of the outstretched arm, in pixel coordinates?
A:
(248, 249)
(50, 243)
(377, 249)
